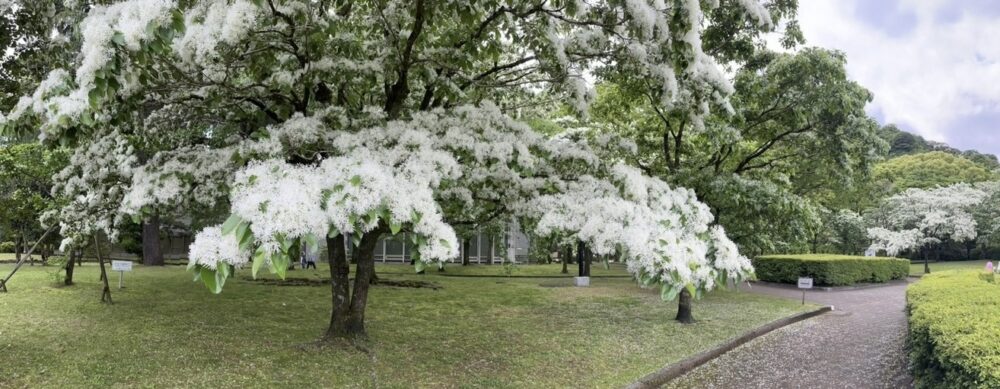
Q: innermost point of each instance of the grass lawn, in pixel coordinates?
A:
(917, 267)
(165, 330)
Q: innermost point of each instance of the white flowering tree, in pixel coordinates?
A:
(919, 219)
(309, 120)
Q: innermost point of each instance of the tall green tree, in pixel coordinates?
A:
(26, 172)
(797, 132)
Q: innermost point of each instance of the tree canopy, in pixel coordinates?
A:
(311, 119)
(927, 170)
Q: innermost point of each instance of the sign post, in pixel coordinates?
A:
(805, 283)
(121, 267)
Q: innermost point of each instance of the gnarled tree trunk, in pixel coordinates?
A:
(347, 319)
(152, 255)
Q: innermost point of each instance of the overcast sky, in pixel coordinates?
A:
(933, 65)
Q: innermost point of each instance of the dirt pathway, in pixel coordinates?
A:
(858, 345)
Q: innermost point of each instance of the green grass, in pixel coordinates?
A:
(165, 330)
(917, 267)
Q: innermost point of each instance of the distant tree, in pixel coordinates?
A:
(928, 170)
(848, 231)
(923, 219)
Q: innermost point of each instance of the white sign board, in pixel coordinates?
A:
(870, 252)
(121, 265)
(805, 282)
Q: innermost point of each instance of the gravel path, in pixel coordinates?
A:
(858, 345)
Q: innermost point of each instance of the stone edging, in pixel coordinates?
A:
(674, 370)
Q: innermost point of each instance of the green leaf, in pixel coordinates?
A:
(669, 292)
(372, 216)
(326, 198)
(419, 266)
(279, 264)
(311, 243)
(356, 239)
(231, 223)
(333, 232)
(87, 119)
(209, 277)
(246, 240)
(177, 21)
(394, 227)
(690, 289)
(94, 97)
(356, 180)
(242, 230)
(259, 258)
(118, 38)
(151, 28)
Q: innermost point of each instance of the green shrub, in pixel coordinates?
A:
(7, 247)
(829, 269)
(954, 337)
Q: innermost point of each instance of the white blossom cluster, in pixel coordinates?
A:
(211, 246)
(917, 217)
(94, 183)
(895, 242)
(660, 231)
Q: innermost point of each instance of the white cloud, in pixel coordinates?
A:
(930, 76)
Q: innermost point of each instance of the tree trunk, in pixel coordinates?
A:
(465, 251)
(365, 256)
(684, 308)
(582, 259)
(492, 249)
(927, 266)
(70, 266)
(566, 255)
(152, 255)
(106, 292)
(18, 247)
(340, 272)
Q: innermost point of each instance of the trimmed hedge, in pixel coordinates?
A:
(7, 247)
(954, 336)
(829, 269)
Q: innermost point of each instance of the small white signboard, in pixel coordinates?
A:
(121, 265)
(870, 252)
(805, 282)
